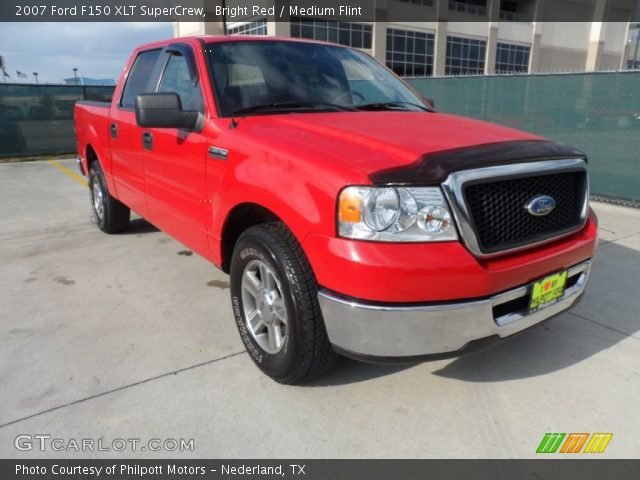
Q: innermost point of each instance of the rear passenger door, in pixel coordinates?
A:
(175, 159)
(127, 154)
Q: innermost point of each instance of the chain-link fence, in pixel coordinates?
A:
(596, 112)
(38, 119)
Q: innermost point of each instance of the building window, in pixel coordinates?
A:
(259, 27)
(410, 54)
(475, 7)
(512, 58)
(424, 3)
(357, 35)
(509, 11)
(465, 56)
(513, 16)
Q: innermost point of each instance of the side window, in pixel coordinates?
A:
(139, 77)
(176, 79)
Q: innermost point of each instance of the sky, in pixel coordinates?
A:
(97, 50)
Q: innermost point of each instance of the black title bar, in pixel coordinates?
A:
(320, 469)
(283, 10)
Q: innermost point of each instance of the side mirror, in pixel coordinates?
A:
(430, 102)
(164, 110)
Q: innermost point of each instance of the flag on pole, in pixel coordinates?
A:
(4, 72)
(21, 75)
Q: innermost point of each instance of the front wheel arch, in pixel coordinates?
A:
(239, 219)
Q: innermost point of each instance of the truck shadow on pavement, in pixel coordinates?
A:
(139, 226)
(607, 314)
(349, 371)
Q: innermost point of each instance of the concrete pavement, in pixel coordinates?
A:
(130, 336)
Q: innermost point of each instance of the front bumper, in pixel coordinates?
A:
(403, 273)
(379, 330)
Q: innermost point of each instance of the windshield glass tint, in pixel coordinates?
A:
(255, 73)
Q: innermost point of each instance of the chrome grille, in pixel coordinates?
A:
(489, 204)
(499, 216)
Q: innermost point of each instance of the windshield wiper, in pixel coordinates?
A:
(393, 106)
(293, 105)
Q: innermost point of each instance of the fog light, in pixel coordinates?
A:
(434, 220)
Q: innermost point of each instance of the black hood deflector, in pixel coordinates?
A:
(434, 168)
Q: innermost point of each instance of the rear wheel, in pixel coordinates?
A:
(109, 214)
(274, 300)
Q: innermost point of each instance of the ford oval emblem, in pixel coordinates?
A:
(540, 206)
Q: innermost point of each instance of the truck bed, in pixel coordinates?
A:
(93, 103)
(92, 128)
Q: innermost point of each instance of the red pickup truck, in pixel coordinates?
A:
(352, 218)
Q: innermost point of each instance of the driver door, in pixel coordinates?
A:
(175, 163)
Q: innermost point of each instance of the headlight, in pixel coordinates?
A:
(390, 214)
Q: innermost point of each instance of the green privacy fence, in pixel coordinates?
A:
(38, 119)
(596, 112)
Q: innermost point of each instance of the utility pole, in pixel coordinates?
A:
(635, 65)
(35, 74)
(2, 69)
(636, 19)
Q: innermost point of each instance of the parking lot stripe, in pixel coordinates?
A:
(70, 173)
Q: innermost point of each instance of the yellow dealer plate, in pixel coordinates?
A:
(547, 290)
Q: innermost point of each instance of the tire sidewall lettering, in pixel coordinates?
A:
(246, 255)
(244, 333)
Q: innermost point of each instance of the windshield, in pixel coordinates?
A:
(296, 76)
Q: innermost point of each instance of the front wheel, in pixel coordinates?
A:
(274, 300)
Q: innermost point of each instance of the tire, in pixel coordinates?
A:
(273, 289)
(109, 214)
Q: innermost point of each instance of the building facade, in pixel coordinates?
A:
(471, 37)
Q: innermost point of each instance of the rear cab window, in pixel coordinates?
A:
(139, 78)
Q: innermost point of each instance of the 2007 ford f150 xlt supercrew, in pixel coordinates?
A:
(352, 218)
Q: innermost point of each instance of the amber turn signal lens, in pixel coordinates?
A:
(350, 209)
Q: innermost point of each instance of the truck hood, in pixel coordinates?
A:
(375, 141)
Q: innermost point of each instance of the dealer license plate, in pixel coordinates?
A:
(548, 290)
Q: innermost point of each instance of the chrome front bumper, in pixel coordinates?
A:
(371, 330)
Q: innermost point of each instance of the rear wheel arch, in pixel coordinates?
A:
(109, 214)
(91, 156)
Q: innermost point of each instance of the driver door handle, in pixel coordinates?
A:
(147, 140)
